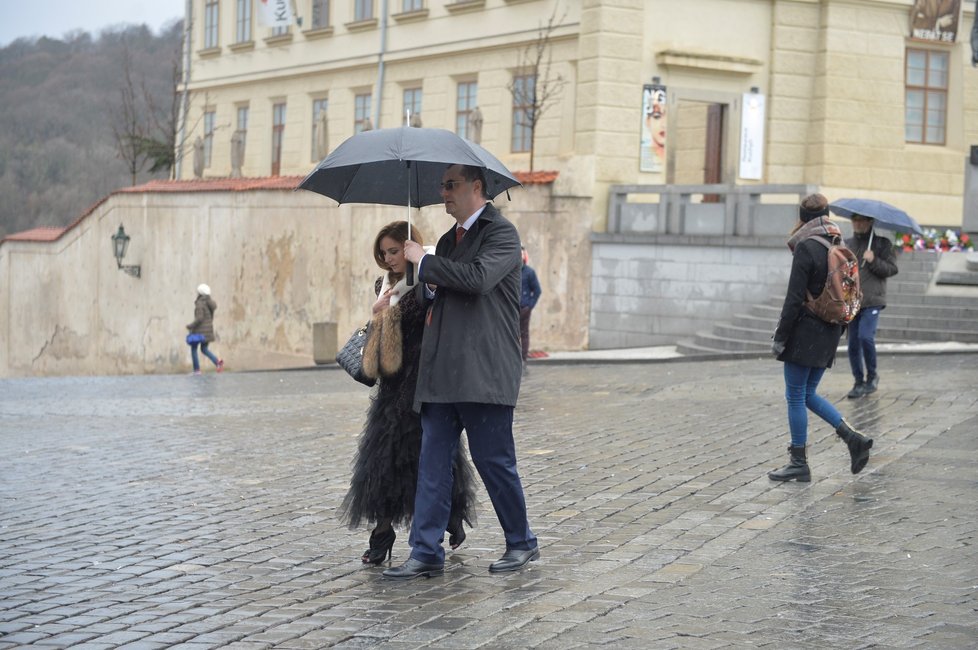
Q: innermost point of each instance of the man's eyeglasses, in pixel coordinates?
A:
(451, 185)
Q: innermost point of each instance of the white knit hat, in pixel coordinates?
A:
(204, 290)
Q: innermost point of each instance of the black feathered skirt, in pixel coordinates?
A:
(385, 468)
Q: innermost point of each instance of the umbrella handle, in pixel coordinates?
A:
(409, 274)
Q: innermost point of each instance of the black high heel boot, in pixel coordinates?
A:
(456, 532)
(858, 444)
(381, 547)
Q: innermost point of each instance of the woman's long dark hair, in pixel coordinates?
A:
(398, 231)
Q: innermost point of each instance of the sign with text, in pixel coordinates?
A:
(274, 13)
(752, 137)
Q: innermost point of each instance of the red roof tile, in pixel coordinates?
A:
(42, 233)
(219, 185)
(536, 178)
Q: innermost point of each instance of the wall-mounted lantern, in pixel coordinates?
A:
(120, 242)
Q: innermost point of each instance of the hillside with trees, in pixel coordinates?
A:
(81, 117)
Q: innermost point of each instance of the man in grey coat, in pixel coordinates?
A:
(469, 375)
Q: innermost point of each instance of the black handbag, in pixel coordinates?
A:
(350, 357)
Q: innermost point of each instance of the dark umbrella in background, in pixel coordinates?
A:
(884, 215)
(401, 166)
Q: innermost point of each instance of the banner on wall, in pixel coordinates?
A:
(274, 13)
(652, 149)
(935, 20)
(752, 137)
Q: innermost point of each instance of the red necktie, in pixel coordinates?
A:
(459, 233)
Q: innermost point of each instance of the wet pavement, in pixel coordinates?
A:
(200, 512)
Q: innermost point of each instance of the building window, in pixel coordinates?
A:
(363, 9)
(318, 149)
(412, 5)
(243, 26)
(412, 105)
(208, 137)
(361, 113)
(243, 118)
(464, 102)
(524, 88)
(281, 30)
(278, 131)
(210, 24)
(926, 98)
(320, 14)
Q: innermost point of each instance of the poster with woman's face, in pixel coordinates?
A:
(935, 20)
(652, 152)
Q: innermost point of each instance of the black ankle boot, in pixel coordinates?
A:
(796, 469)
(858, 444)
(857, 390)
(872, 383)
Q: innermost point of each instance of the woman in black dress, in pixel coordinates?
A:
(385, 468)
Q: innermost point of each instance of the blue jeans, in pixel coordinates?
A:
(207, 353)
(862, 343)
(800, 383)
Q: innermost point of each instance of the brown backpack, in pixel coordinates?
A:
(839, 302)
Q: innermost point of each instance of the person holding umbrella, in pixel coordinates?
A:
(877, 262)
(470, 372)
(385, 469)
(806, 344)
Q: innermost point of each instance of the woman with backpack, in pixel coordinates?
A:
(807, 344)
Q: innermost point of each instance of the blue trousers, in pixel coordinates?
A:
(862, 343)
(800, 384)
(489, 429)
(203, 348)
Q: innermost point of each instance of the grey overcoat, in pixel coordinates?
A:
(471, 346)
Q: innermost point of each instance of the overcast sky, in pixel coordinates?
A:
(54, 18)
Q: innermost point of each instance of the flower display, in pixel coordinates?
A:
(949, 241)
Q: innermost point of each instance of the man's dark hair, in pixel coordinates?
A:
(471, 173)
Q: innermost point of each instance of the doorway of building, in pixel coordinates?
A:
(700, 134)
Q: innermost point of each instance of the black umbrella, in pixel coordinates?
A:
(401, 166)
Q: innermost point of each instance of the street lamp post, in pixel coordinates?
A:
(120, 243)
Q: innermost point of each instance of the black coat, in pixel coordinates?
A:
(471, 350)
(873, 275)
(808, 340)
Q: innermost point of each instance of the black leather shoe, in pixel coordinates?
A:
(414, 569)
(858, 390)
(514, 559)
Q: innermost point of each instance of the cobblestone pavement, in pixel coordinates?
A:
(199, 512)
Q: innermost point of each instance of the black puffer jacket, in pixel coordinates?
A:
(873, 275)
(808, 340)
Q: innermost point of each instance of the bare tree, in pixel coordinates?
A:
(128, 126)
(535, 86)
(145, 131)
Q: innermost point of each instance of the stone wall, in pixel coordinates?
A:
(655, 290)
(277, 262)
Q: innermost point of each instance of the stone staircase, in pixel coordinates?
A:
(913, 314)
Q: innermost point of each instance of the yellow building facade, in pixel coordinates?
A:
(849, 100)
